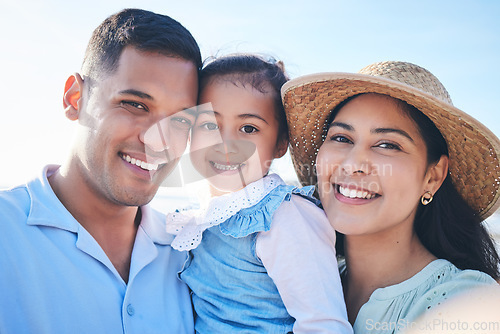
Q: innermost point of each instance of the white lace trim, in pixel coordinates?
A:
(188, 226)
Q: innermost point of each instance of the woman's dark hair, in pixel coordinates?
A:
(448, 227)
(264, 75)
(144, 30)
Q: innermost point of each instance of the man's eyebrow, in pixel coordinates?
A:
(207, 111)
(137, 93)
(392, 130)
(191, 111)
(142, 95)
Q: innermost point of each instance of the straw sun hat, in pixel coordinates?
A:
(474, 150)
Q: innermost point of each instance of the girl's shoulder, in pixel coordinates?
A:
(239, 214)
(258, 218)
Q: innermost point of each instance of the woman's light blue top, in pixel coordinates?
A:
(395, 308)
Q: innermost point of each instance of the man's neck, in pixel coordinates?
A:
(113, 226)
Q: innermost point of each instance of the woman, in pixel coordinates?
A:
(406, 178)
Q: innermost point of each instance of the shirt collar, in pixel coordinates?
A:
(153, 223)
(47, 210)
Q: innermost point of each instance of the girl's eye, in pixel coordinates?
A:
(389, 146)
(209, 126)
(248, 129)
(340, 139)
(133, 106)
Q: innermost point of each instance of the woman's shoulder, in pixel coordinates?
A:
(439, 281)
(438, 274)
(440, 277)
(446, 281)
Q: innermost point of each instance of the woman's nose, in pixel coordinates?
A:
(356, 162)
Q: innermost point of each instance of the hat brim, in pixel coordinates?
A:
(474, 150)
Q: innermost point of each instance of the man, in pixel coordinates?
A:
(80, 251)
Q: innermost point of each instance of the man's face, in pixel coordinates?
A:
(134, 125)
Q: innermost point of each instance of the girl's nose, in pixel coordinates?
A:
(236, 150)
(228, 146)
(229, 142)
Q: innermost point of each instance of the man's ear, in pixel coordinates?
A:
(436, 174)
(72, 96)
(281, 147)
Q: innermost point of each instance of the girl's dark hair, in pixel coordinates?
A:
(264, 75)
(448, 227)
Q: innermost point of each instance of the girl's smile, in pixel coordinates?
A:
(234, 143)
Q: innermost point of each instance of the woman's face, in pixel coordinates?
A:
(371, 167)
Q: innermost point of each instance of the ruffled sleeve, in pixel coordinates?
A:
(258, 218)
(238, 214)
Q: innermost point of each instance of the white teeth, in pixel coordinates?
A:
(344, 191)
(225, 167)
(352, 193)
(140, 163)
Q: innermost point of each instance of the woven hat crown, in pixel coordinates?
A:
(473, 149)
(411, 75)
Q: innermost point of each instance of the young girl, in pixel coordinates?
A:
(262, 256)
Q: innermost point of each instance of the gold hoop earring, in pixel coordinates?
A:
(426, 198)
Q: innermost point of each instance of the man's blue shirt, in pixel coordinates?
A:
(55, 278)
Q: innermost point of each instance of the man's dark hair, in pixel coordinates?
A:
(145, 31)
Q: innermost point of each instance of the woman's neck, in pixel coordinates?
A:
(378, 261)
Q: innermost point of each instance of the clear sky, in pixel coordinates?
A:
(43, 41)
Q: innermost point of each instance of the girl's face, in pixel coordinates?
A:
(235, 141)
(372, 167)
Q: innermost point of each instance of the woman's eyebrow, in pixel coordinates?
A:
(348, 127)
(392, 130)
(344, 126)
